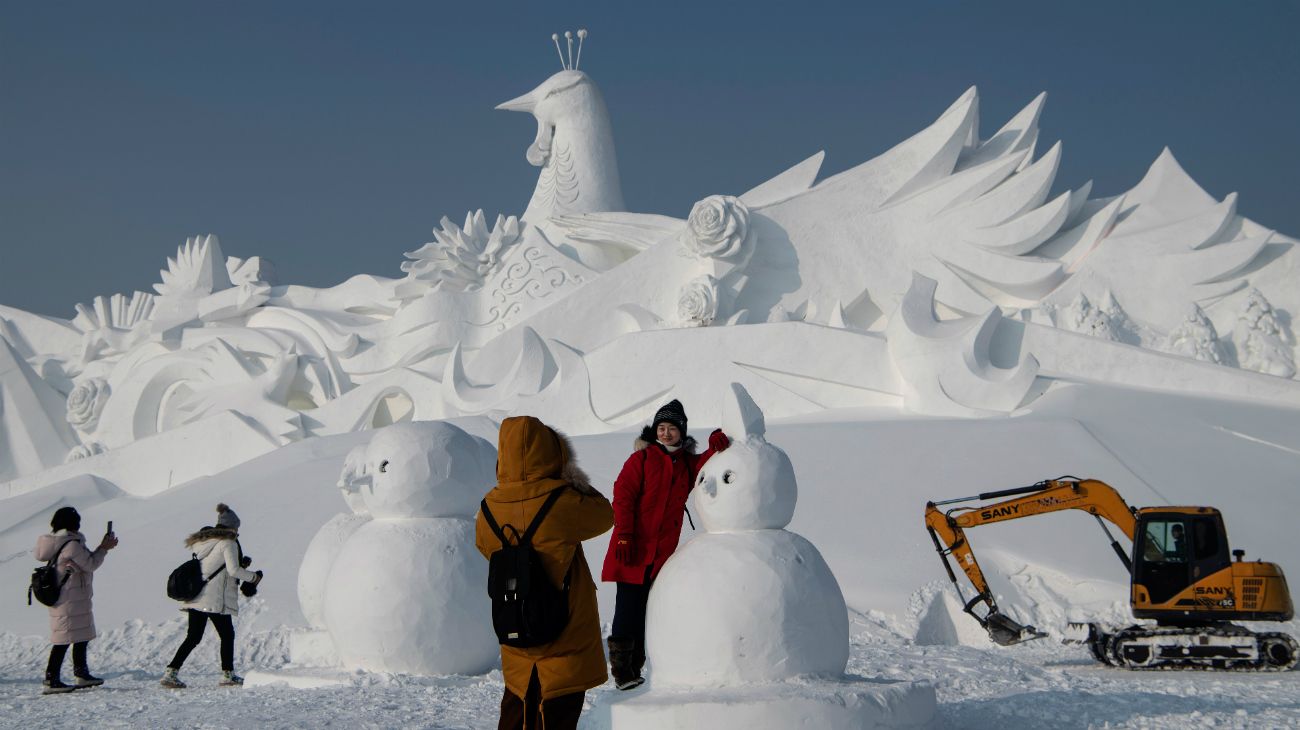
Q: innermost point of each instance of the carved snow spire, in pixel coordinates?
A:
(574, 145)
(555, 38)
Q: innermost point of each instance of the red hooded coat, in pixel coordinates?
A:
(649, 503)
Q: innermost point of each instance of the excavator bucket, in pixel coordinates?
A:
(1005, 631)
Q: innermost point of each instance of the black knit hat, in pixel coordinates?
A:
(672, 412)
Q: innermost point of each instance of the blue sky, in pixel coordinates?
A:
(331, 137)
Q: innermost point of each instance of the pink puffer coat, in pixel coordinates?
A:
(71, 617)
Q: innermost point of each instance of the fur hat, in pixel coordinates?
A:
(671, 412)
(227, 518)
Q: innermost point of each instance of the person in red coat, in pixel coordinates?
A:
(649, 501)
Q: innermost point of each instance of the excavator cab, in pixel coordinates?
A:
(1175, 550)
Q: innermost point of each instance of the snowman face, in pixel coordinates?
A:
(430, 469)
(750, 486)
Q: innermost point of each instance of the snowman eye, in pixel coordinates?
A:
(383, 467)
(728, 476)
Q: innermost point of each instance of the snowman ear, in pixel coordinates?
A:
(741, 416)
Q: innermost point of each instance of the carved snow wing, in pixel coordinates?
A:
(946, 365)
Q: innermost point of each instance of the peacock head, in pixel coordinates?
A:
(568, 98)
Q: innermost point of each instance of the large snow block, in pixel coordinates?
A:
(851, 703)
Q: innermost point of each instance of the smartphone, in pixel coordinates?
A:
(110, 528)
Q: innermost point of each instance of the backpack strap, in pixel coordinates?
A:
(54, 561)
(492, 523)
(551, 499)
(215, 572)
(527, 537)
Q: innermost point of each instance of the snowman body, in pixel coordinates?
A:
(747, 601)
(406, 590)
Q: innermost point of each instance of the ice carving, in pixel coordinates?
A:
(947, 365)
(404, 593)
(459, 258)
(1263, 344)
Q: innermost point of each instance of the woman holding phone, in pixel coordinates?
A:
(72, 618)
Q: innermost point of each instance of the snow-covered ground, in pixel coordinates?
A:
(864, 477)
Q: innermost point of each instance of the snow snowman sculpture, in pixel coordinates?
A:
(406, 591)
(329, 540)
(747, 601)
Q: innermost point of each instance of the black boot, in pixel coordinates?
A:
(55, 686)
(85, 678)
(622, 663)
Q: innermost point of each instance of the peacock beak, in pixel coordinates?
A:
(525, 103)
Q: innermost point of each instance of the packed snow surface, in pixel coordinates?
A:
(864, 477)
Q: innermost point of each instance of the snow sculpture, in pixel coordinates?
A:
(86, 402)
(329, 540)
(459, 259)
(1196, 338)
(746, 625)
(405, 591)
(574, 146)
(947, 366)
(84, 451)
(697, 304)
(1262, 343)
(718, 227)
(546, 309)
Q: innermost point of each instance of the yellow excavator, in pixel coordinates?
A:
(1181, 576)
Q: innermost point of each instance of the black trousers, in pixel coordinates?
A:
(59, 651)
(198, 622)
(629, 610)
(534, 713)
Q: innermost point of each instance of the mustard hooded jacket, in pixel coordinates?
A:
(533, 460)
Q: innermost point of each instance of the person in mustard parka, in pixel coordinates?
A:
(551, 680)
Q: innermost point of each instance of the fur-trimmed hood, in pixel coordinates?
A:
(533, 459)
(647, 437)
(211, 533)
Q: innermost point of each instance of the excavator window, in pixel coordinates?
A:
(1163, 567)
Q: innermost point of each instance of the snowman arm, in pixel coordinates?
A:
(627, 494)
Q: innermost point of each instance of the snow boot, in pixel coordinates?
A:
(230, 679)
(170, 680)
(622, 663)
(85, 678)
(54, 685)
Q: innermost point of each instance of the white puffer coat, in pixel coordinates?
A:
(216, 547)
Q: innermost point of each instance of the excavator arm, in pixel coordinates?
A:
(948, 530)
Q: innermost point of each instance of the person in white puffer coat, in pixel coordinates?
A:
(223, 563)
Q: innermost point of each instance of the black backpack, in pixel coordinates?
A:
(187, 581)
(46, 584)
(527, 610)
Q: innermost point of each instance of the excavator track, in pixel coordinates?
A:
(1226, 647)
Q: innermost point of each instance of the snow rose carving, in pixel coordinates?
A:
(84, 451)
(697, 304)
(718, 227)
(86, 402)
